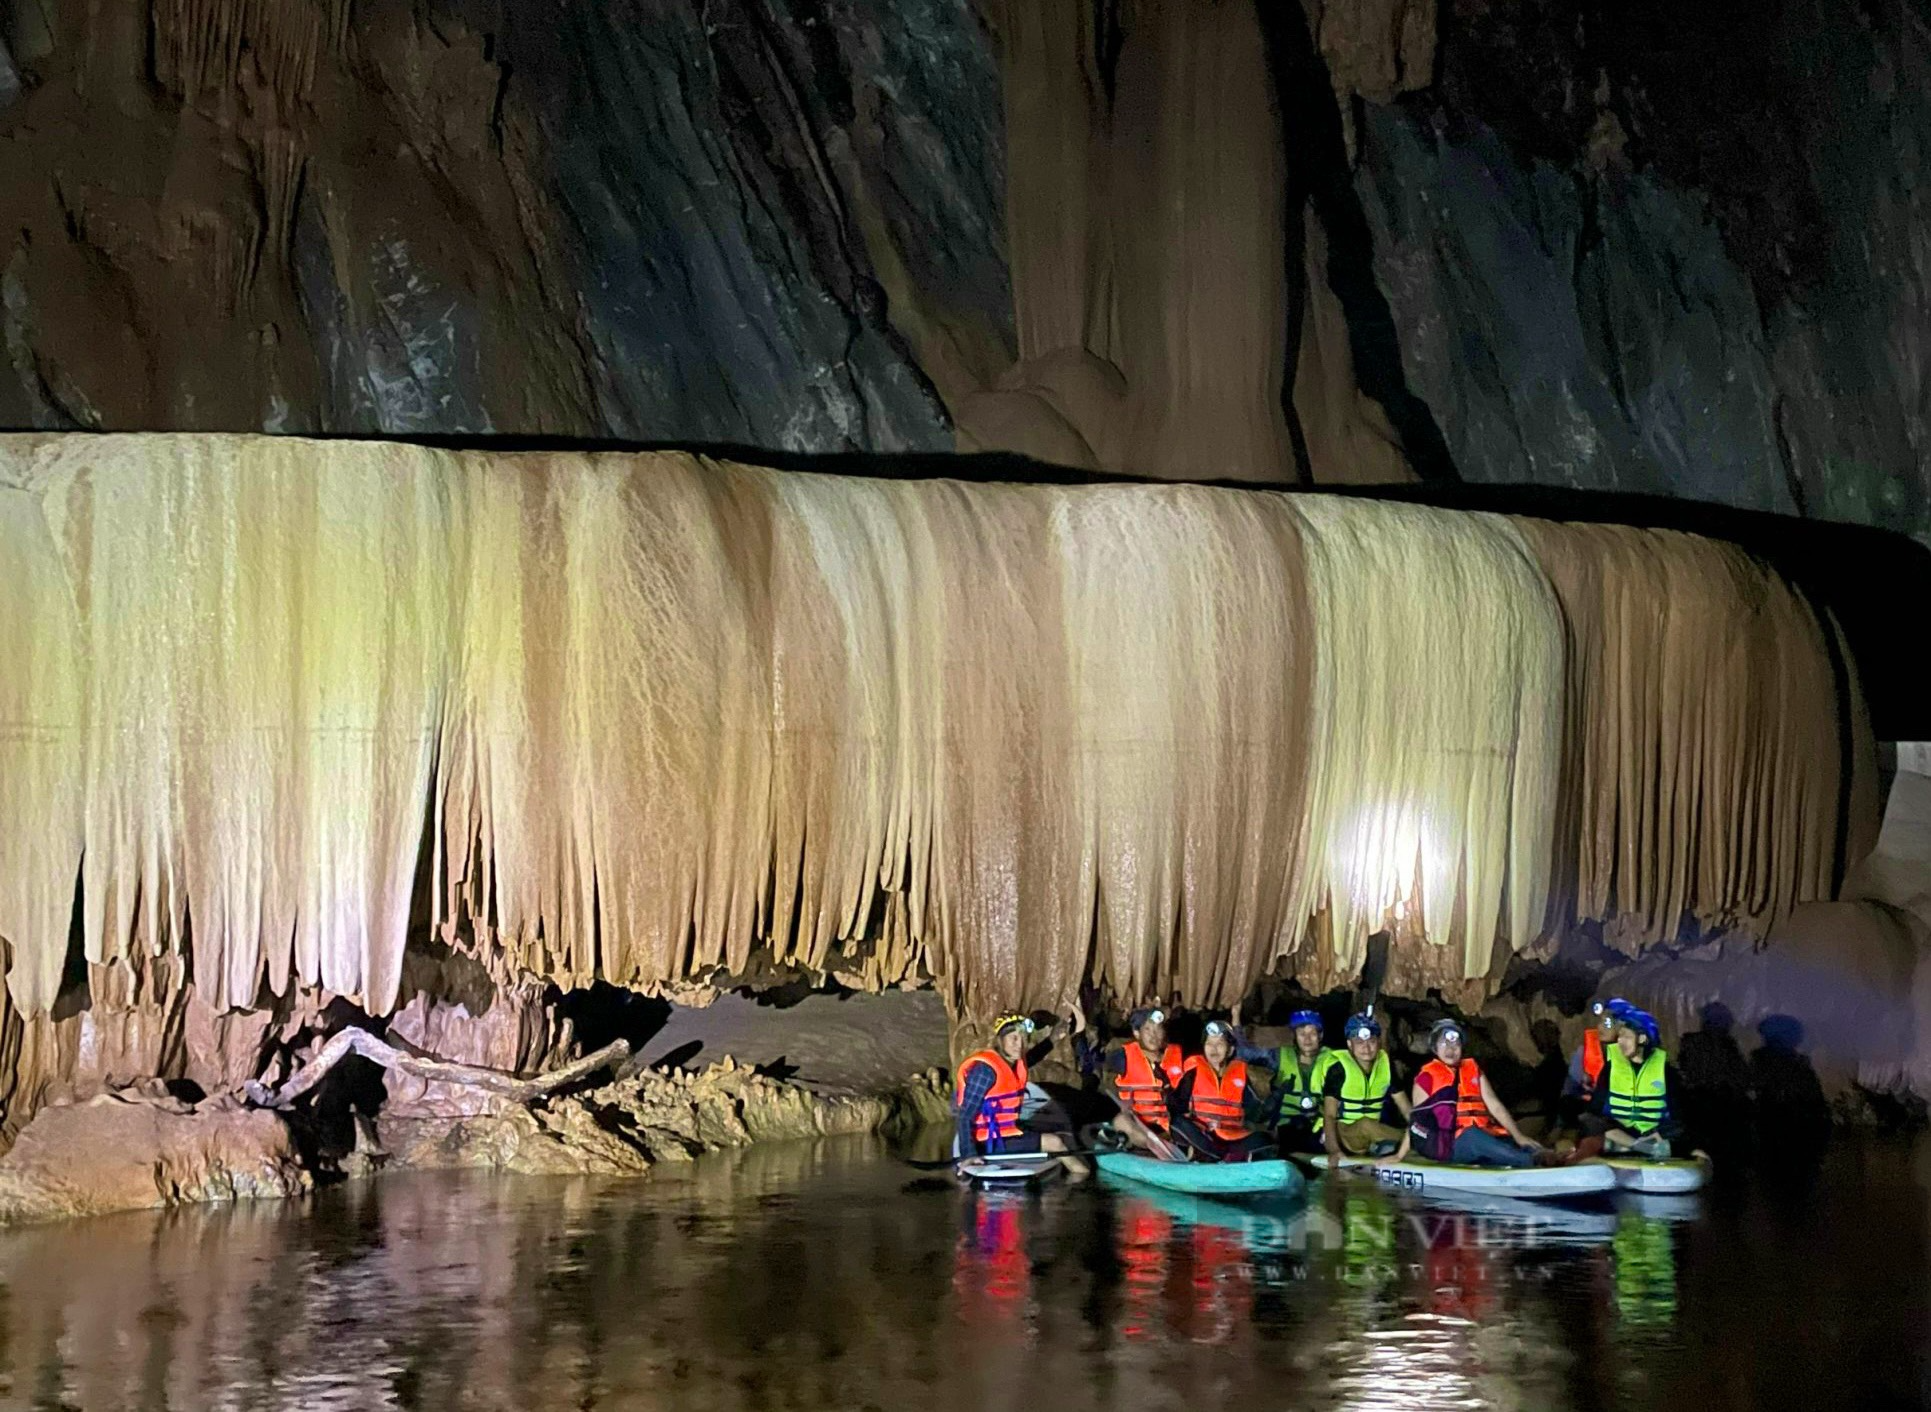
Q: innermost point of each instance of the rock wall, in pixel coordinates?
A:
(1630, 247)
(1353, 240)
(321, 216)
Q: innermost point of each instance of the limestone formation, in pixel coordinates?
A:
(649, 1117)
(669, 720)
(125, 1152)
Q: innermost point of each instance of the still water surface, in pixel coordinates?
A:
(825, 1275)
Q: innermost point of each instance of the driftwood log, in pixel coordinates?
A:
(360, 1041)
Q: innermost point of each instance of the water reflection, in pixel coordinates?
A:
(818, 1275)
(1645, 1259)
(991, 1269)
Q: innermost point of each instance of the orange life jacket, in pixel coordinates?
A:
(1217, 1100)
(1470, 1110)
(998, 1115)
(1143, 1091)
(1592, 1060)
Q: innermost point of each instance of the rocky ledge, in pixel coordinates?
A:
(141, 1147)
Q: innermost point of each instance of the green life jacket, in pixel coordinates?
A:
(1363, 1094)
(1638, 1098)
(1301, 1093)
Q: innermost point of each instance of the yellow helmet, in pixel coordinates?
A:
(1006, 1022)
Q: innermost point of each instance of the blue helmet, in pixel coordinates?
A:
(1304, 1017)
(1361, 1024)
(1642, 1022)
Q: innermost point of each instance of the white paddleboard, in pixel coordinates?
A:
(1533, 1183)
(1675, 1175)
(1511, 1220)
(1008, 1169)
(1673, 1209)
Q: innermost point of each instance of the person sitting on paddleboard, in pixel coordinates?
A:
(1142, 1077)
(991, 1089)
(1359, 1095)
(1585, 1065)
(1629, 1105)
(1300, 1074)
(1215, 1109)
(1457, 1113)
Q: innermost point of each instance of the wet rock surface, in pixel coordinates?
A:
(124, 1152)
(650, 1117)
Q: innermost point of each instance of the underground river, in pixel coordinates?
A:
(829, 1275)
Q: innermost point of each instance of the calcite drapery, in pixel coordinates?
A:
(656, 715)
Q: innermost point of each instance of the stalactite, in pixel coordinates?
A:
(280, 158)
(1146, 193)
(1439, 729)
(1703, 736)
(198, 45)
(666, 720)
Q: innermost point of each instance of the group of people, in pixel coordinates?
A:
(1344, 1102)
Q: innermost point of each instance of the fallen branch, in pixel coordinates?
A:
(359, 1041)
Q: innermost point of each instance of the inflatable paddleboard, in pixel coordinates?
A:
(1266, 1224)
(1673, 1209)
(1273, 1177)
(1669, 1177)
(1511, 1220)
(1534, 1183)
(1011, 1169)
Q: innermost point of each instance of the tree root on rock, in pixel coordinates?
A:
(359, 1041)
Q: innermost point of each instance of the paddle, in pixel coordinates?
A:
(943, 1163)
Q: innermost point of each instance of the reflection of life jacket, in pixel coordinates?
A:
(1363, 1092)
(991, 1273)
(1144, 1232)
(1470, 1110)
(1219, 1100)
(1143, 1091)
(1367, 1240)
(998, 1116)
(1220, 1286)
(1591, 1057)
(1301, 1093)
(1458, 1272)
(1645, 1256)
(1638, 1098)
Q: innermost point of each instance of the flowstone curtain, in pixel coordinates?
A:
(658, 718)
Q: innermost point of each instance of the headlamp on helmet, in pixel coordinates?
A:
(1444, 1030)
(1362, 1024)
(1023, 1023)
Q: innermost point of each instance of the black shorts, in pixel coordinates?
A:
(1298, 1137)
(1024, 1143)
